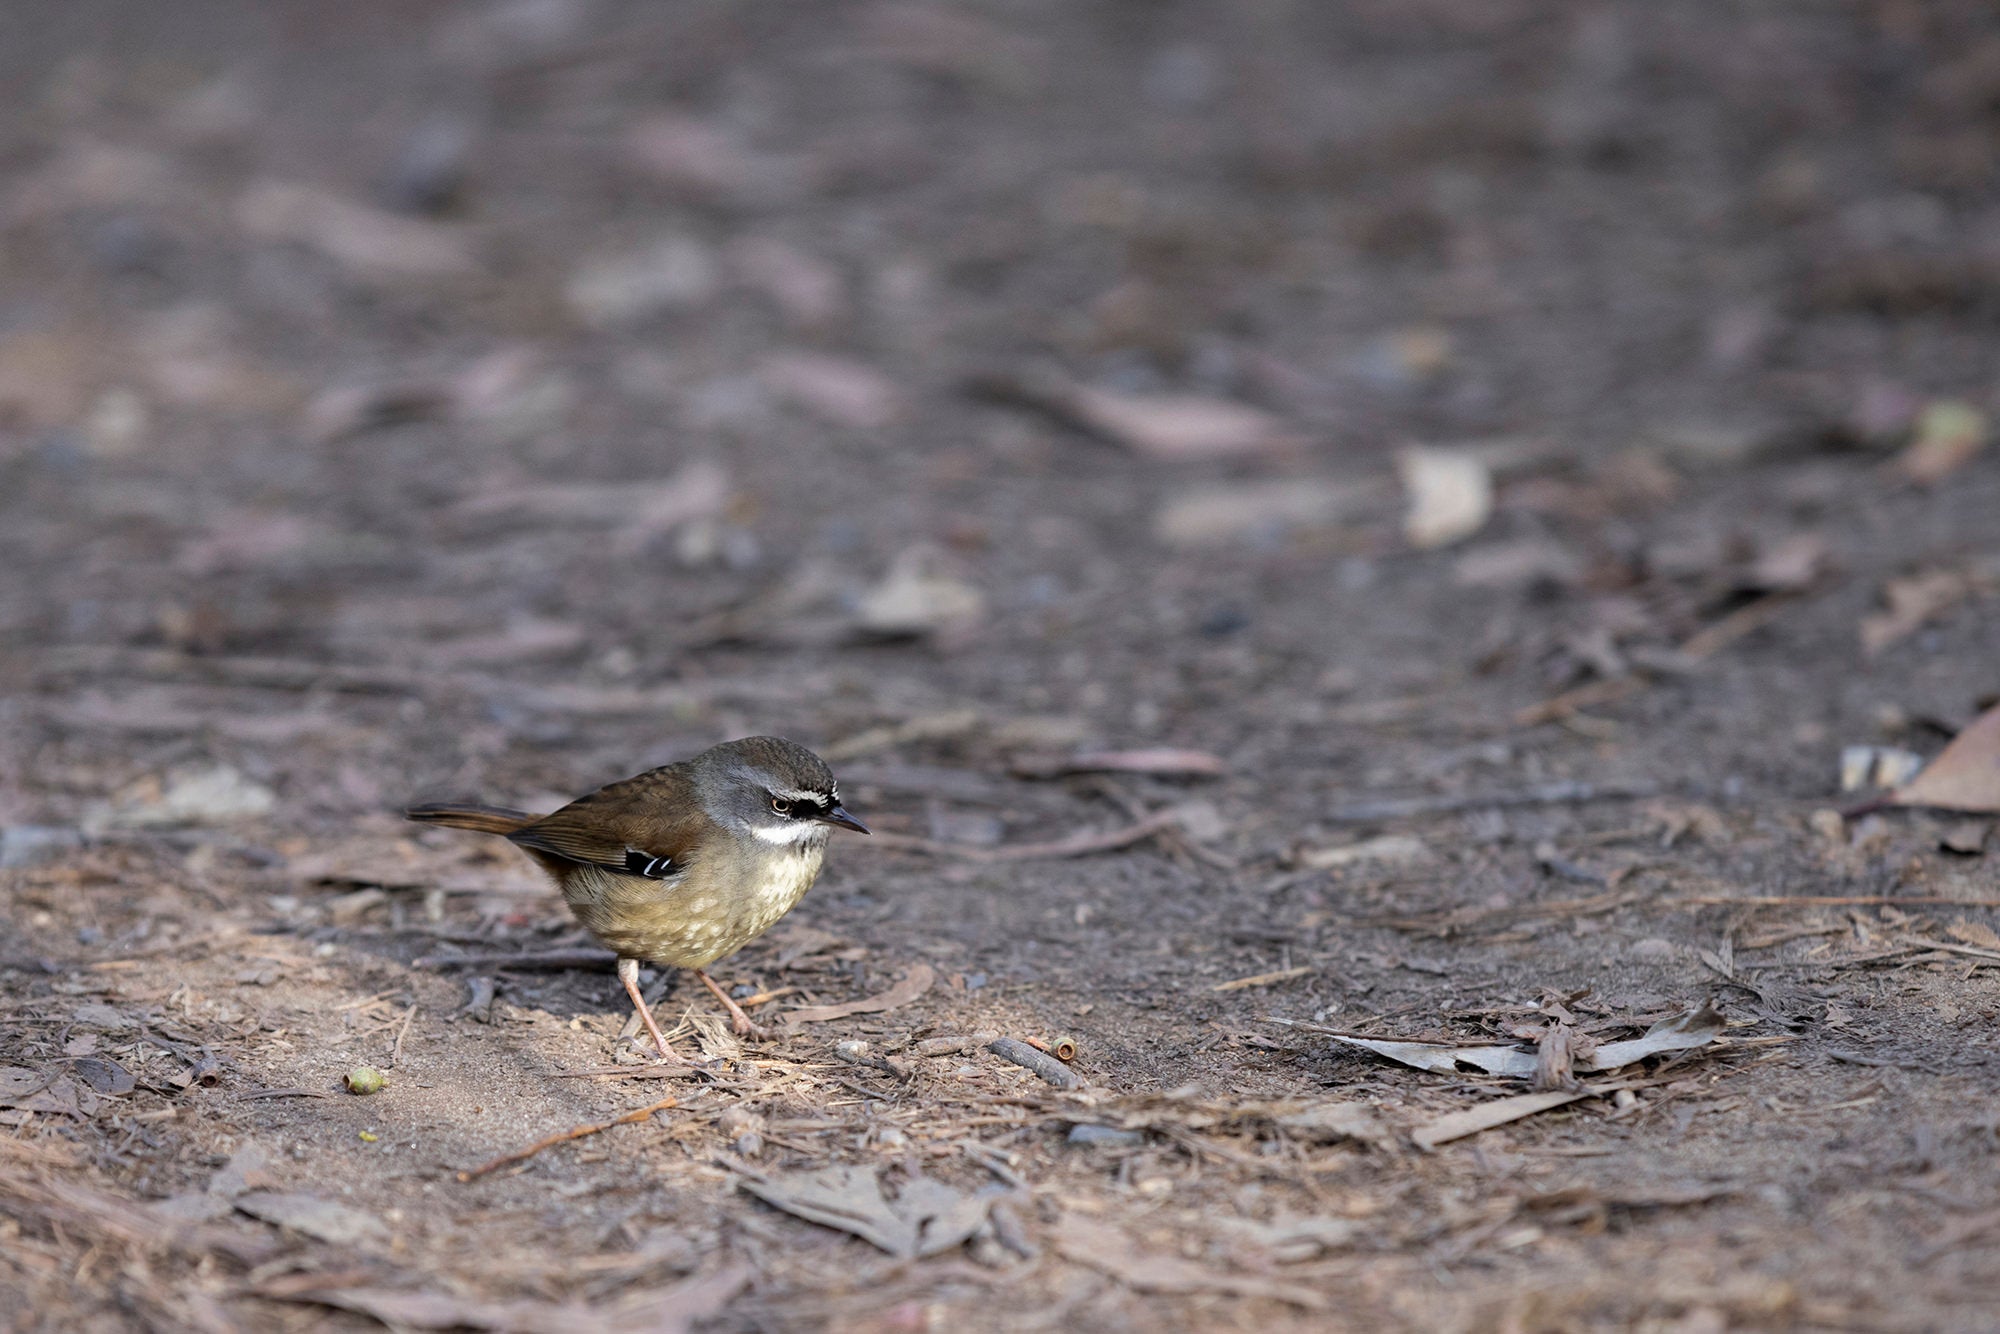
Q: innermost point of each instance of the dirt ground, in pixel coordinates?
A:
(406, 401)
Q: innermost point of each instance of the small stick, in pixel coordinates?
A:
(564, 1137)
(1704, 643)
(1582, 697)
(1043, 1064)
(952, 1046)
(396, 1052)
(552, 960)
(1825, 900)
(1266, 979)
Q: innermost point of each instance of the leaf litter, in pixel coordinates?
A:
(924, 1216)
(1966, 774)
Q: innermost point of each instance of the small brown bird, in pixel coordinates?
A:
(682, 864)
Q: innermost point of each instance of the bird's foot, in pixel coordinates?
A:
(739, 1023)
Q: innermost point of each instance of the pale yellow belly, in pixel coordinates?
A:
(691, 924)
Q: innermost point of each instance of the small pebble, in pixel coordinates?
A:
(1652, 947)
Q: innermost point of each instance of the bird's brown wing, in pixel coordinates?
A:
(645, 826)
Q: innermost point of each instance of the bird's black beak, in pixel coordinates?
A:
(838, 815)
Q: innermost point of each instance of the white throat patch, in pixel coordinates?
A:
(790, 833)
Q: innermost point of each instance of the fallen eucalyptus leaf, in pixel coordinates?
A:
(919, 596)
(1170, 427)
(1216, 515)
(926, 1217)
(1966, 774)
(1457, 1125)
(1682, 1032)
(1912, 602)
(915, 984)
(315, 1217)
(1099, 1246)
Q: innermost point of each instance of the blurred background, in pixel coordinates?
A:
(423, 395)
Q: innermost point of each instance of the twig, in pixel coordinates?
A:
(282, 1093)
(1704, 643)
(564, 1137)
(1545, 794)
(1454, 918)
(856, 1052)
(1957, 1235)
(1582, 697)
(1921, 943)
(1041, 1063)
(951, 1046)
(1823, 900)
(550, 960)
(1751, 616)
(396, 1052)
(1265, 979)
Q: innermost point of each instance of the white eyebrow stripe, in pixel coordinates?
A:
(798, 794)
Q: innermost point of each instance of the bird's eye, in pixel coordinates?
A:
(781, 805)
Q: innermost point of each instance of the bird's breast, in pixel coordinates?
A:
(715, 908)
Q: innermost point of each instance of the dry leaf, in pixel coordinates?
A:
(925, 1218)
(44, 1092)
(1966, 837)
(673, 273)
(1396, 848)
(1520, 563)
(1169, 427)
(1499, 1112)
(248, 1169)
(1215, 515)
(1912, 602)
(668, 1311)
(1790, 565)
(1966, 774)
(1104, 1248)
(1682, 1032)
(1974, 933)
(1327, 1122)
(919, 596)
(809, 291)
(1290, 1240)
(1948, 435)
(315, 1217)
(1451, 495)
(837, 390)
(367, 240)
(104, 1076)
(642, 510)
(912, 986)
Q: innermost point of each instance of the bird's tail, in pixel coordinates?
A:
(480, 819)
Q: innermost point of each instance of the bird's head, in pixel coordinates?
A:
(774, 790)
